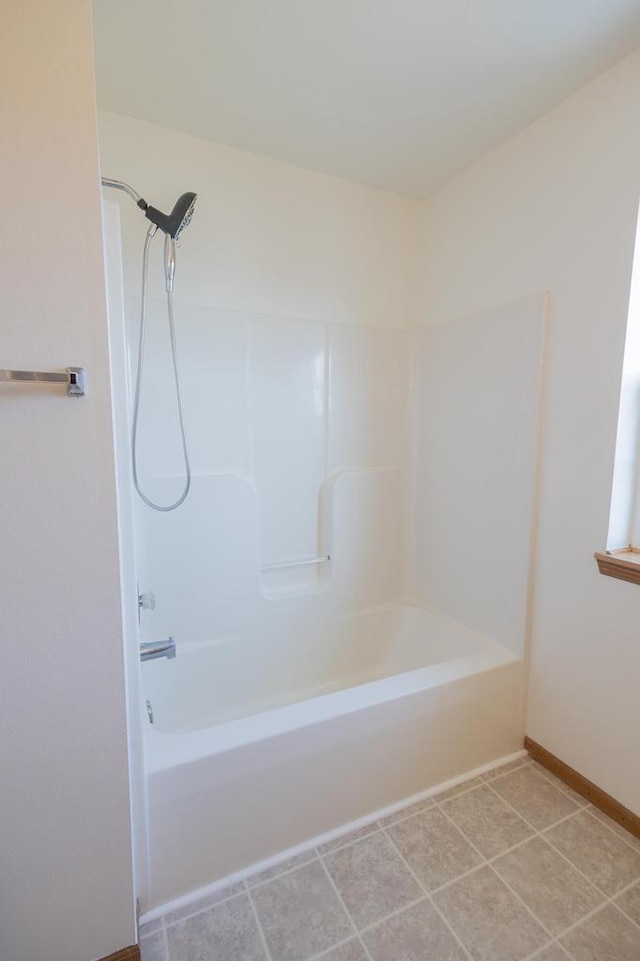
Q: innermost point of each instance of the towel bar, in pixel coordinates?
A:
(73, 377)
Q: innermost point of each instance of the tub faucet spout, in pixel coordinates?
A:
(150, 650)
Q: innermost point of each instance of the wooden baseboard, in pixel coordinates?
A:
(132, 953)
(599, 798)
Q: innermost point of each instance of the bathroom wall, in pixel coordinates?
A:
(555, 208)
(293, 294)
(267, 237)
(66, 889)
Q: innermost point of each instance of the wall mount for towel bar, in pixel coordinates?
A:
(73, 377)
(302, 563)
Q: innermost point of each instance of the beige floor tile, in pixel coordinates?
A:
(433, 848)
(372, 879)
(203, 903)
(351, 951)
(553, 953)
(348, 838)
(406, 812)
(416, 934)
(226, 932)
(488, 821)
(153, 948)
(489, 920)
(629, 902)
(295, 862)
(556, 893)
(458, 789)
(300, 914)
(615, 827)
(578, 798)
(535, 798)
(601, 855)
(504, 769)
(606, 936)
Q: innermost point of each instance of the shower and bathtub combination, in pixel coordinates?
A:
(272, 529)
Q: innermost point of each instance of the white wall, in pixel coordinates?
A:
(267, 236)
(555, 208)
(66, 889)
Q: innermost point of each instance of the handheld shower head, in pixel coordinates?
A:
(174, 223)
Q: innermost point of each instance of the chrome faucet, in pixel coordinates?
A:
(150, 650)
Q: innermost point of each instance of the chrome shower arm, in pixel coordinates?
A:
(121, 185)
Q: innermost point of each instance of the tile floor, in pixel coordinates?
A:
(509, 866)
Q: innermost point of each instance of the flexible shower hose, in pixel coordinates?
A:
(138, 384)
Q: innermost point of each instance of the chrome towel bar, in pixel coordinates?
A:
(73, 377)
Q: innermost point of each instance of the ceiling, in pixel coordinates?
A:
(397, 94)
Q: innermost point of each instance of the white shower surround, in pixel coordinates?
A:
(308, 438)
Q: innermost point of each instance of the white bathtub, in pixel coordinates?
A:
(250, 756)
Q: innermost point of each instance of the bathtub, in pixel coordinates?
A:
(248, 756)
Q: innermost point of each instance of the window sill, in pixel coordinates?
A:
(623, 564)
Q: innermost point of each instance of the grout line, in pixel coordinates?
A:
(591, 808)
(313, 856)
(393, 914)
(535, 917)
(576, 868)
(586, 917)
(346, 910)
(619, 894)
(457, 938)
(608, 897)
(536, 830)
(405, 817)
(486, 862)
(621, 910)
(495, 873)
(424, 888)
(334, 947)
(540, 833)
(500, 773)
(451, 797)
(557, 782)
(199, 910)
(484, 779)
(540, 951)
(344, 841)
(265, 946)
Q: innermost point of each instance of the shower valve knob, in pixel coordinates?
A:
(147, 601)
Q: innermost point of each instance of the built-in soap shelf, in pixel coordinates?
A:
(289, 578)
